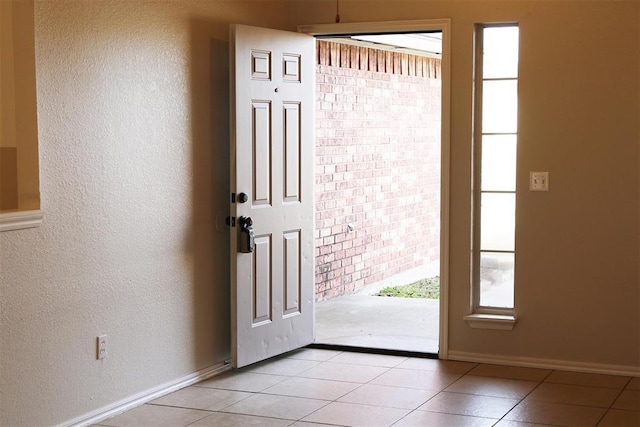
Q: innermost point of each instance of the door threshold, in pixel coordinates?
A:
(372, 350)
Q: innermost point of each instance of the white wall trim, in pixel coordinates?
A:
(20, 220)
(445, 185)
(531, 362)
(141, 398)
(490, 321)
(382, 26)
(443, 25)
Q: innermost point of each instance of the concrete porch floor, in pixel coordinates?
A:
(408, 324)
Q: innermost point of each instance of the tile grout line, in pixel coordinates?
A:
(523, 397)
(298, 376)
(606, 409)
(362, 385)
(410, 411)
(385, 370)
(437, 393)
(613, 402)
(526, 395)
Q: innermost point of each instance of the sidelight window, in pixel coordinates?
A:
(495, 150)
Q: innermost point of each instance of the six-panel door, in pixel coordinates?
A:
(272, 146)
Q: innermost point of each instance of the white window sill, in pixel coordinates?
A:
(491, 321)
(20, 220)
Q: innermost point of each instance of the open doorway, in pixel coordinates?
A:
(378, 191)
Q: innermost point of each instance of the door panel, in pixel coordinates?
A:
(292, 138)
(262, 283)
(292, 268)
(272, 149)
(261, 124)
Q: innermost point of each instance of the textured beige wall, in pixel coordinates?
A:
(578, 259)
(133, 134)
(133, 139)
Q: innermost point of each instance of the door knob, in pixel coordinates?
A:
(242, 198)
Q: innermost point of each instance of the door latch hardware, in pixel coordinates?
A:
(246, 238)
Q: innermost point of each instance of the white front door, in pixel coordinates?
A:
(272, 152)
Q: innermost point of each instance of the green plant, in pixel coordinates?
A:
(424, 288)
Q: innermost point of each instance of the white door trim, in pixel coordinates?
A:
(443, 25)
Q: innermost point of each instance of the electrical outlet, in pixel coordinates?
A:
(101, 347)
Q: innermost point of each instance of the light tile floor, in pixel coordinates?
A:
(313, 387)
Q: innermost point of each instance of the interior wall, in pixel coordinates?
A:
(577, 293)
(133, 135)
(133, 138)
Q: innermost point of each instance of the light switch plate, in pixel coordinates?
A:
(538, 181)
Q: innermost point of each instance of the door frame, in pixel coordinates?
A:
(443, 25)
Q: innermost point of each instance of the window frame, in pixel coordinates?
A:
(484, 316)
(19, 114)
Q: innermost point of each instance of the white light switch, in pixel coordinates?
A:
(538, 181)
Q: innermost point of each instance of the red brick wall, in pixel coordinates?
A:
(377, 171)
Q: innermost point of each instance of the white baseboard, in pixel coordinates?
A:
(530, 362)
(138, 399)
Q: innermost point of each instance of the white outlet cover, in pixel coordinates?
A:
(101, 349)
(538, 181)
